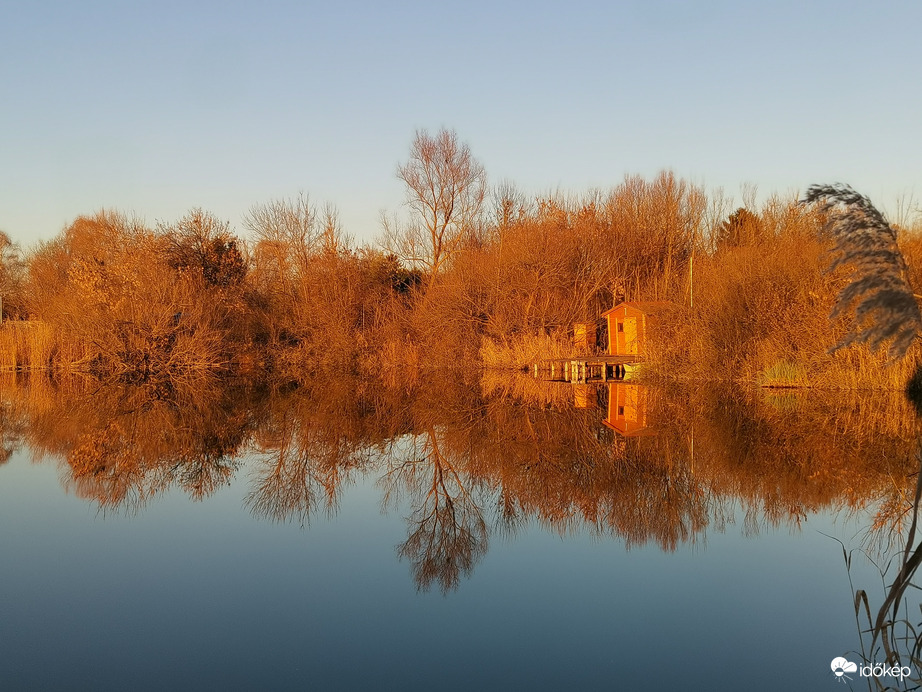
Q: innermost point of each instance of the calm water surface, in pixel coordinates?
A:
(492, 537)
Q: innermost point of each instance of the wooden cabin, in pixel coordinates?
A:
(628, 326)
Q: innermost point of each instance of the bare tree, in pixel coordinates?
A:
(509, 205)
(446, 187)
(290, 229)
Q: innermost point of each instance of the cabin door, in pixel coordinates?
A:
(630, 336)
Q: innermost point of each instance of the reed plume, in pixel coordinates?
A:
(885, 308)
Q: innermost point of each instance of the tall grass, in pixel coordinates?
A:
(26, 345)
(783, 373)
(523, 350)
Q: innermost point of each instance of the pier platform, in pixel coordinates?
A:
(584, 369)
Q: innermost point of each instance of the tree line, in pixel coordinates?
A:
(465, 274)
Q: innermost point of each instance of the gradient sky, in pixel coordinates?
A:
(157, 108)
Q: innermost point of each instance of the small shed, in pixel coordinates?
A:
(628, 326)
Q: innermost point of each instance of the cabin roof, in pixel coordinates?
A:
(648, 307)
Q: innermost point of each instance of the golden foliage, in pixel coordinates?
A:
(751, 290)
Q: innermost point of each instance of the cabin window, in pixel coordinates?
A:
(620, 326)
(621, 410)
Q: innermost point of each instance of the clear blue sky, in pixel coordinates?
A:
(156, 108)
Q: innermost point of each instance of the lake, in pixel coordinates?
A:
(470, 532)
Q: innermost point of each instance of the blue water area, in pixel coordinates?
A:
(202, 595)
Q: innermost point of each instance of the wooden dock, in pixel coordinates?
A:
(585, 369)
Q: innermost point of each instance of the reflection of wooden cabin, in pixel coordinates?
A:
(628, 326)
(627, 410)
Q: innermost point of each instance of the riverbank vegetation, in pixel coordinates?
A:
(466, 275)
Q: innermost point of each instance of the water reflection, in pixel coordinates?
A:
(890, 635)
(124, 444)
(475, 454)
(628, 409)
(310, 441)
(447, 532)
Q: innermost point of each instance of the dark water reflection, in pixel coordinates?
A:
(468, 459)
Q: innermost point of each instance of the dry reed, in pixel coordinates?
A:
(26, 345)
(523, 350)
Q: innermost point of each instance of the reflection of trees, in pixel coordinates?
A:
(314, 437)
(666, 505)
(466, 462)
(125, 443)
(563, 467)
(291, 479)
(307, 449)
(784, 456)
(448, 534)
(13, 426)
(780, 458)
